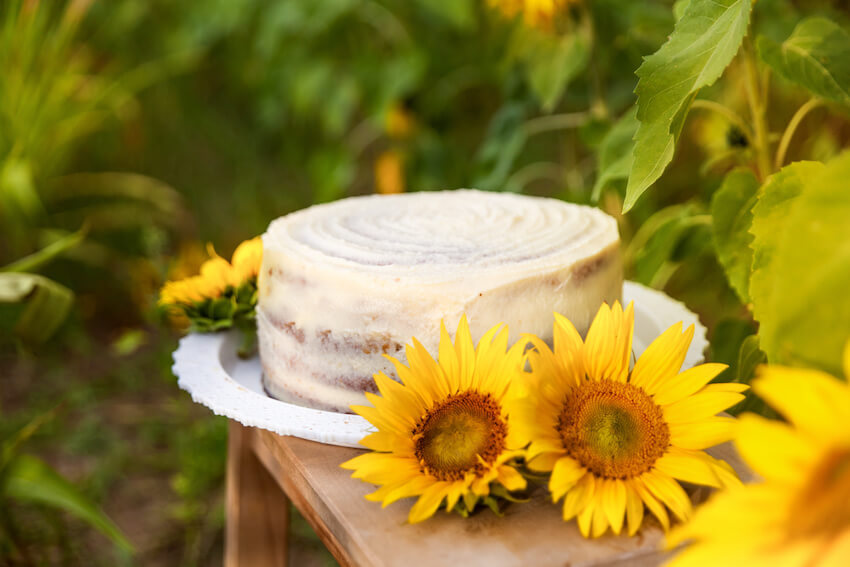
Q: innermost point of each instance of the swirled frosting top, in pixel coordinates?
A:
(430, 236)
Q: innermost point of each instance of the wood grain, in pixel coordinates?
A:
(256, 534)
(359, 532)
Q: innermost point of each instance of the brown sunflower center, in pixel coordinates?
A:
(613, 429)
(822, 508)
(452, 435)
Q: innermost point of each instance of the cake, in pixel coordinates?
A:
(345, 283)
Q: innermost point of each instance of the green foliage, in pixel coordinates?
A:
(550, 60)
(801, 264)
(615, 153)
(816, 56)
(45, 305)
(731, 213)
(27, 479)
(705, 40)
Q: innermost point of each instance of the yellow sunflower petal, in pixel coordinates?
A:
(773, 449)
(608, 346)
(662, 359)
(600, 521)
(669, 492)
(465, 353)
(811, 400)
(565, 475)
(579, 497)
(652, 503)
(585, 519)
(511, 479)
(568, 347)
(428, 502)
(700, 406)
(613, 499)
(693, 467)
(448, 360)
(688, 382)
(545, 462)
(702, 434)
(634, 509)
(412, 487)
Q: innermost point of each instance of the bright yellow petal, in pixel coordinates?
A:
(428, 503)
(608, 347)
(773, 449)
(702, 434)
(565, 475)
(692, 466)
(634, 508)
(652, 503)
(687, 383)
(811, 400)
(585, 519)
(568, 348)
(579, 497)
(614, 503)
(465, 353)
(700, 406)
(511, 479)
(545, 462)
(662, 359)
(669, 492)
(448, 360)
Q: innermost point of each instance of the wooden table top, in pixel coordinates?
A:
(359, 532)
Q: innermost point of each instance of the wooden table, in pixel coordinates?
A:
(265, 472)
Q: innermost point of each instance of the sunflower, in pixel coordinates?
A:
(223, 295)
(617, 441)
(800, 514)
(535, 13)
(216, 275)
(444, 433)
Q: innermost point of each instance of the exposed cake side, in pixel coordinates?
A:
(343, 284)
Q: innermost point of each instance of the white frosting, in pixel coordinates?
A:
(392, 267)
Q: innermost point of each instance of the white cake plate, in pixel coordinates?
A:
(207, 367)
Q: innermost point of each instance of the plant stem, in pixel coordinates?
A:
(726, 112)
(791, 128)
(555, 122)
(758, 107)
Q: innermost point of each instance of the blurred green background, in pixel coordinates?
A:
(132, 132)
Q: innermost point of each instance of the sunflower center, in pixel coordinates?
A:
(821, 509)
(613, 429)
(452, 435)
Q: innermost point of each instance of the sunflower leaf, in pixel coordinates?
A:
(615, 153)
(704, 41)
(801, 264)
(731, 213)
(816, 56)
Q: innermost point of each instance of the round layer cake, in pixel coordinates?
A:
(344, 283)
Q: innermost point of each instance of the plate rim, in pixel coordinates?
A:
(198, 363)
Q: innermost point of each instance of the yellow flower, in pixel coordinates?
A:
(800, 514)
(535, 13)
(216, 275)
(444, 433)
(616, 440)
(389, 172)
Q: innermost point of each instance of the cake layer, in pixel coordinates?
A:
(344, 283)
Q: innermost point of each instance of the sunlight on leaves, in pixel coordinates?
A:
(731, 211)
(703, 43)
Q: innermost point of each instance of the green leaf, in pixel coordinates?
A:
(44, 256)
(615, 153)
(11, 444)
(551, 61)
(816, 56)
(28, 479)
(46, 304)
(703, 43)
(731, 212)
(658, 240)
(750, 357)
(801, 264)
